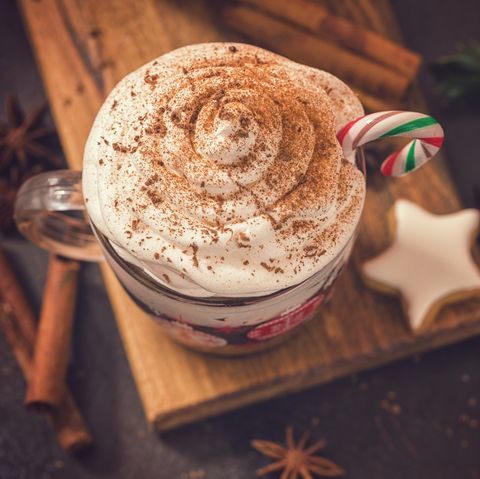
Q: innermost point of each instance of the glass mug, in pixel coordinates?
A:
(50, 212)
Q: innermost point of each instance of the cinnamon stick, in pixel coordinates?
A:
(52, 346)
(17, 323)
(306, 48)
(373, 104)
(313, 17)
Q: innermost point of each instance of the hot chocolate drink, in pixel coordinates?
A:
(216, 170)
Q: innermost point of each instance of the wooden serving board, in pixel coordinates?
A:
(82, 49)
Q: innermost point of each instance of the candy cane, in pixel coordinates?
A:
(426, 132)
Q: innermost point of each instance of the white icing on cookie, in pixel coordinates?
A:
(429, 261)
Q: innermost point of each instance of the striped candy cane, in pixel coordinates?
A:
(426, 132)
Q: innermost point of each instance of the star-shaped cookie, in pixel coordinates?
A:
(429, 263)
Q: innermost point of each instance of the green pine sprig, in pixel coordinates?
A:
(458, 75)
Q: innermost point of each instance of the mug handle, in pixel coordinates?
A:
(50, 212)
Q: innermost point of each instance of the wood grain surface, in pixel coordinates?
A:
(82, 49)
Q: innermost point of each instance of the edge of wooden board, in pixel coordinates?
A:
(282, 384)
(314, 377)
(122, 304)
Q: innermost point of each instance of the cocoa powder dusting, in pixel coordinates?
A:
(194, 257)
(289, 166)
(123, 148)
(267, 267)
(150, 79)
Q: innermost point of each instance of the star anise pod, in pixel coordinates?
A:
(296, 460)
(22, 153)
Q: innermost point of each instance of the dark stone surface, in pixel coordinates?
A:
(430, 438)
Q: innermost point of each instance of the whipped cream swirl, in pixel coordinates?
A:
(216, 169)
